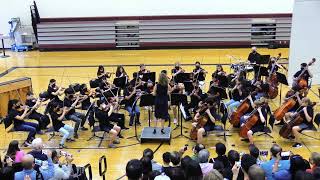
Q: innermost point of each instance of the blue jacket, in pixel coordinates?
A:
(267, 167)
(46, 173)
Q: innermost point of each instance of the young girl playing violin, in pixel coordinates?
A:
(262, 107)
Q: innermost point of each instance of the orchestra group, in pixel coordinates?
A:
(242, 99)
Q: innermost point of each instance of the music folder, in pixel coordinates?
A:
(282, 78)
(147, 100)
(182, 77)
(120, 82)
(149, 76)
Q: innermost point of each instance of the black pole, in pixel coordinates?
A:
(3, 50)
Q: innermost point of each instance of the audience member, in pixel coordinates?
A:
(256, 173)
(213, 175)
(61, 170)
(37, 152)
(197, 148)
(314, 161)
(203, 157)
(166, 162)
(246, 162)
(221, 151)
(146, 167)
(175, 172)
(193, 171)
(155, 166)
(134, 169)
(233, 157)
(14, 151)
(7, 171)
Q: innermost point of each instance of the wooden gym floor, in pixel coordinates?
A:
(80, 67)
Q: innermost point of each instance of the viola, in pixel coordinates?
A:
(286, 129)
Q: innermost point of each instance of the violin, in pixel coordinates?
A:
(286, 129)
(300, 82)
(201, 122)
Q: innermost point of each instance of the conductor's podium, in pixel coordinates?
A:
(148, 136)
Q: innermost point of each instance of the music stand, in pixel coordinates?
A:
(149, 76)
(266, 129)
(188, 86)
(220, 90)
(182, 77)
(177, 99)
(282, 79)
(260, 71)
(223, 120)
(223, 81)
(264, 59)
(120, 82)
(147, 100)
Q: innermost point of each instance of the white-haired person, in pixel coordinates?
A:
(37, 152)
(57, 114)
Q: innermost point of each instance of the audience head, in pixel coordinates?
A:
(254, 151)
(175, 158)
(275, 149)
(193, 171)
(55, 156)
(37, 144)
(315, 159)
(297, 163)
(28, 162)
(166, 157)
(13, 148)
(220, 149)
(316, 173)
(185, 162)
(146, 166)
(134, 169)
(203, 156)
(148, 153)
(256, 173)
(8, 162)
(303, 175)
(233, 157)
(246, 162)
(197, 148)
(213, 175)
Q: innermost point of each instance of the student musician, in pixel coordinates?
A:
(43, 120)
(54, 91)
(115, 116)
(121, 72)
(57, 114)
(101, 74)
(175, 71)
(199, 74)
(103, 113)
(142, 70)
(161, 92)
(306, 75)
(205, 111)
(18, 113)
(219, 71)
(70, 103)
(236, 95)
(306, 112)
(130, 97)
(263, 110)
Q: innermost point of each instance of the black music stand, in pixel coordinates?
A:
(177, 99)
(3, 49)
(282, 79)
(182, 77)
(266, 130)
(120, 82)
(147, 100)
(220, 90)
(223, 81)
(264, 59)
(135, 124)
(188, 86)
(223, 120)
(260, 71)
(149, 76)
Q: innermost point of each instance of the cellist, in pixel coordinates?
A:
(262, 109)
(306, 112)
(306, 75)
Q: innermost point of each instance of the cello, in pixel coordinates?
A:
(280, 112)
(273, 80)
(200, 123)
(250, 122)
(300, 82)
(286, 129)
(241, 110)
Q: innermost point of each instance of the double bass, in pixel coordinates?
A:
(286, 129)
(200, 123)
(300, 82)
(273, 81)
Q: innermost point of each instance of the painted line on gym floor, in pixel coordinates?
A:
(157, 148)
(7, 71)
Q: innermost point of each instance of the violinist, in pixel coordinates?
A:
(143, 70)
(121, 72)
(101, 74)
(53, 90)
(115, 116)
(42, 119)
(303, 73)
(219, 71)
(306, 112)
(70, 103)
(18, 113)
(87, 94)
(103, 113)
(176, 70)
(57, 114)
(130, 97)
(262, 89)
(263, 110)
(199, 74)
(207, 112)
(236, 95)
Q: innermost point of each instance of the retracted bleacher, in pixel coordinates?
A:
(164, 31)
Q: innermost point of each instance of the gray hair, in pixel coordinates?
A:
(203, 155)
(37, 144)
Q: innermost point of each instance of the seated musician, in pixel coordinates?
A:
(263, 109)
(121, 72)
(236, 95)
(18, 113)
(306, 112)
(195, 97)
(176, 70)
(177, 89)
(208, 113)
(43, 120)
(199, 74)
(70, 102)
(57, 114)
(115, 116)
(219, 71)
(306, 75)
(143, 70)
(254, 56)
(53, 90)
(101, 74)
(262, 89)
(103, 113)
(130, 96)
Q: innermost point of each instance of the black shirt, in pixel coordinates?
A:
(254, 57)
(200, 75)
(57, 124)
(305, 75)
(85, 103)
(67, 103)
(12, 115)
(310, 112)
(103, 118)
(129, 102)
(52, 90)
